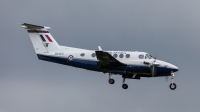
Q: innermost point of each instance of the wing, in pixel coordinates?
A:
(105, 59)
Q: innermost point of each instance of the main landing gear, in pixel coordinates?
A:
(124, 85)
(172, 86)
(112, 81)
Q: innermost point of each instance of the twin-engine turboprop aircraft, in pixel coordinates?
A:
(130, 65)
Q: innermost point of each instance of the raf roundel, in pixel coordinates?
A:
(70, 58)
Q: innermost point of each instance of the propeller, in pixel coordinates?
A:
(153, 70)
(154, 66)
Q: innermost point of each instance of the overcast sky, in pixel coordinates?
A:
(167, 29)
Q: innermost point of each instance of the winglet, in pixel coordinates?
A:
(99, 47)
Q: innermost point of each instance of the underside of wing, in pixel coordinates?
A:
(105, 59)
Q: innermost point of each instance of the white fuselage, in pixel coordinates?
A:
(85, 59)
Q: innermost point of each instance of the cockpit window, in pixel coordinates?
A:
(149, 56)
(141, 56)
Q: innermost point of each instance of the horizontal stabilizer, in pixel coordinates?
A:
(31, 26)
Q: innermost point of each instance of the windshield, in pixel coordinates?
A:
(149, 56)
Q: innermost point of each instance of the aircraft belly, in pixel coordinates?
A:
(86, 64)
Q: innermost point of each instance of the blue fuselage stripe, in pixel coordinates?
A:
(92, 65)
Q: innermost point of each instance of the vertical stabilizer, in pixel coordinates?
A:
(41, 39)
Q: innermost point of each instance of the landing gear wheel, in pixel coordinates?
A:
(111, 81)
(125, 86)
(172, 86)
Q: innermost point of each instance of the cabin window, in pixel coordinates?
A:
(115, 55)
(127, 55)
(82, 54)
(93, 55)
(141, 56)
(121, 55)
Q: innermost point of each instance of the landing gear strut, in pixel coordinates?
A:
(172, 86)
(124, 85)
(111, 80)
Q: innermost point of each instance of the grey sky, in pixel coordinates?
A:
(169, 29)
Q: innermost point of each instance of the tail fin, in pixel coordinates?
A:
(41, 39)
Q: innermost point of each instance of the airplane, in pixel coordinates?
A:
(128, 64)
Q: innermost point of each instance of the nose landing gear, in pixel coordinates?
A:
(172, 86)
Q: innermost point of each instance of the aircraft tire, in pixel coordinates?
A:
(172, 86)
(111, 81)
(125, 86)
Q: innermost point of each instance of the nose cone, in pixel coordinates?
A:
(174, 68)
(168, 66)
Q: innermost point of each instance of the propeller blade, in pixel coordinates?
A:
(154, 71)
